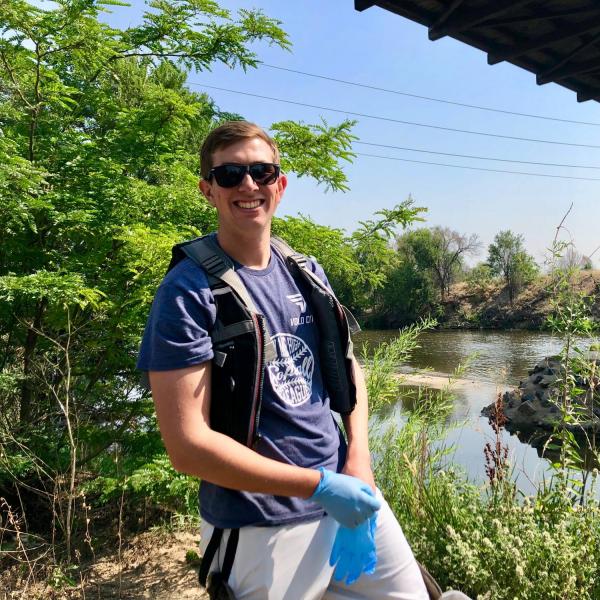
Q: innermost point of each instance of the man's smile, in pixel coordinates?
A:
(248, 204)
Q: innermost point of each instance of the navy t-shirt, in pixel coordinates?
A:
(296, 425)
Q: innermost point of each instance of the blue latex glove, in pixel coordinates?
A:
(347, 499)
(354, 551)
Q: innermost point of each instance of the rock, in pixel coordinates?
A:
(526, 408)
(533, 404)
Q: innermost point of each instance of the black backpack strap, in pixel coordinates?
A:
(288, 252)
(232, 544)
(209, 255)
(300, 261)
(211, 550)
(209, 554)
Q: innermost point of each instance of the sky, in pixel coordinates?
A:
(377, 48)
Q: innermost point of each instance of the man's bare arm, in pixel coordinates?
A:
(356, 424)
(182, 401)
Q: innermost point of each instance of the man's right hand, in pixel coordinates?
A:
(347, 499)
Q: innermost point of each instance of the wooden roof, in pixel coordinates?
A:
(557, 40)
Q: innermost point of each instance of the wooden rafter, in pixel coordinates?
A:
(587, 94)
(564, 48)
(361, 5)
(589, 66)
(564, 67)
(543, 42)
(462, 20)
(538, 17)
(445, 15)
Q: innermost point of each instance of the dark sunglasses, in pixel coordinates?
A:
(229, 176)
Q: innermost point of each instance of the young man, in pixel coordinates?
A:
(289, 491)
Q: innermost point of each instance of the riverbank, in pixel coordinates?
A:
(487, 306)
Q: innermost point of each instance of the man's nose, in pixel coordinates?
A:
(248, 183)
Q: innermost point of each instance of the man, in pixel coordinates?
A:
(289, 491)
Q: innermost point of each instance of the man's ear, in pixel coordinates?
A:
(206, 190)
(282, 182)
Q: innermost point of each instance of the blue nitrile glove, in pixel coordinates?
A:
(354, 551)
(347, 499)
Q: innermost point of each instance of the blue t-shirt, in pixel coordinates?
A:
(296, 425)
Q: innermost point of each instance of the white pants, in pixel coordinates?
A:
(291, 562)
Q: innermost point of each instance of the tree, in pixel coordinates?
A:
(357, 265)
(447, 251)
(573, 260)
(99, 140)
(410, 289)
(507, 258)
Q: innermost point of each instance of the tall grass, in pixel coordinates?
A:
(487, 540)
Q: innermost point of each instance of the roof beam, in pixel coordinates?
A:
(587, 94)
(569, 70)
(462, 20)
(542, 17)
(361, 5)
(444, 16)
(541, 77)
(546, 40)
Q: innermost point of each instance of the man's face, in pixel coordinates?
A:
(249, 206)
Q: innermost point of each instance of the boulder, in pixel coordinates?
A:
(536, 402)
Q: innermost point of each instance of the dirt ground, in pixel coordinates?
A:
(152, 565)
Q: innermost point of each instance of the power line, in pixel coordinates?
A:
(391, 120)
(429, 98)
(423, 162)
(522, 162)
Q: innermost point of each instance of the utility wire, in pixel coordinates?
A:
(429, 98)
(391, 120)
(522, 162)
(423, 162)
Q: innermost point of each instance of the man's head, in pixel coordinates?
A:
(241, 178)
(228, 134)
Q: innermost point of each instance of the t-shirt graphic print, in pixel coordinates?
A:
(291, 372)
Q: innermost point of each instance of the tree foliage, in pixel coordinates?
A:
(99, 140)
(508, 259)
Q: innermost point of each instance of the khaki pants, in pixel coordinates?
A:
(291, 562)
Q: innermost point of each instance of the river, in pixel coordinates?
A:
(496, 361)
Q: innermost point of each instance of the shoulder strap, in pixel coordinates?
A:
(207, 253)
(288, 252)
(300, 260)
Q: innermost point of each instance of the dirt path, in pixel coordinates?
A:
(152, 566)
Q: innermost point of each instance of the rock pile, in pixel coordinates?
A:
(535, 403)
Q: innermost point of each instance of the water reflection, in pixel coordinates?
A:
(499, 360)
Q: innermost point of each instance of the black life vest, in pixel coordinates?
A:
(242, 344)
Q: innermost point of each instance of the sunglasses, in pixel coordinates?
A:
(229, 176)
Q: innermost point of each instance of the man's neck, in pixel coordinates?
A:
(253, 252)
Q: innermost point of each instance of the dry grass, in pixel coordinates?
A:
(152, 566)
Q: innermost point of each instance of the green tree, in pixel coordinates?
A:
(357, 265)
(508, 259)
(99, 140)
(410, 290)
(447, 251)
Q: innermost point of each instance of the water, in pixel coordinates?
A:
(495, 362)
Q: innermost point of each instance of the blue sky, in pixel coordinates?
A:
(378, 48)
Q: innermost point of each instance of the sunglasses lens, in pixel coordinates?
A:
(264, 173)
(228, 176)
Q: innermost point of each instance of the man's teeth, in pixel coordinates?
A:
(252, 204)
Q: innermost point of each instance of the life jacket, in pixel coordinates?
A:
(242, 344)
